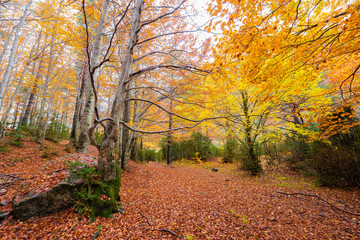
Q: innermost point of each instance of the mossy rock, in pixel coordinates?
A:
(58, 198)
(103, 202)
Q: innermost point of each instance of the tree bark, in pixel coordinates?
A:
(86, 121)
(24, 121)
(125, 137)
(14, 47)
(40, 123)
(79, 99)
(9, 107)
(106, 160)
(6, 44)
(168, 157)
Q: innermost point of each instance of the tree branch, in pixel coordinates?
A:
(162, 16)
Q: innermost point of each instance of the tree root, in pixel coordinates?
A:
(10, 179)
(171, 232)
(321, 199)
(147, 219)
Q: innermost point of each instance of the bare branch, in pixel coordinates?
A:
(171, 67)
(297, 14)
(162, 16)
(169, 112)
(351, 77)
(166, 34)
(161, 52)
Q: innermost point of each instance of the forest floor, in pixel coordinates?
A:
(184, 200)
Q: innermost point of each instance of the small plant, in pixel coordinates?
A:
(4, 148)
(197, 158)
(97, 233)
(19, 159)
(16, 138)
(239, 216)
(189, 236)
(49, 152)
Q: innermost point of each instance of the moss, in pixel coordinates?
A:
(106, 195)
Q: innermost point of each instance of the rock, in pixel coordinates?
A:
(2, 191)
(54, 200)
(215, 170)
(321, 214)
(3, 203)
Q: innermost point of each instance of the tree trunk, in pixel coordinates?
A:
(125, 137)
(86, 120)
(40, 123)
(79, 99)
(251, 161)
(24, 121)
(15, 115)
(10, 105)
(9, 67)
(106, 159)
(168, 157)
(6, 44)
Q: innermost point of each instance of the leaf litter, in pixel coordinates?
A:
(184, 200)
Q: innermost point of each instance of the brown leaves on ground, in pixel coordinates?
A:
(189, 201)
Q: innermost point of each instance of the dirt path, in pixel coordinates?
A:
(169, 202)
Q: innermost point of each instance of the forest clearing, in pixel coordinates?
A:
(189, 119)
(190, 201)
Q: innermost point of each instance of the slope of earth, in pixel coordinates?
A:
(191, 202)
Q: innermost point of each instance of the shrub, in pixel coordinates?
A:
(98, 136)
(16, 138)
(336, 162)
(250, 159)
(56, 131)
(272, 152)
(96, 197)
(49, 152)
(231, 150)
(147, 154)
(198, 145)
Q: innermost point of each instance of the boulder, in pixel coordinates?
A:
(58, 198)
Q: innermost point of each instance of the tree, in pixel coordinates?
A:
(139, 38)
(293, 39)
(14, 47)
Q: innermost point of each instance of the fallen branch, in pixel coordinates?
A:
(148, 221)
(171, 232)
(321, 199)
(13, 175)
